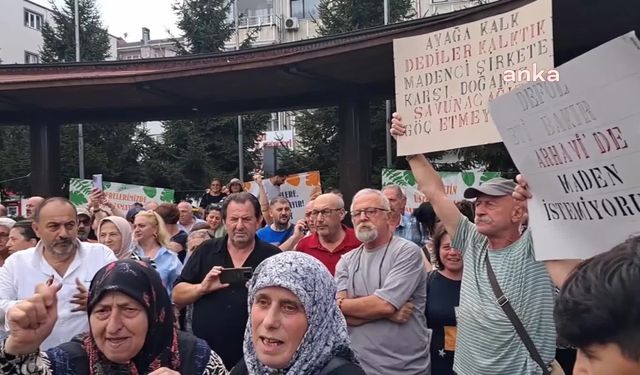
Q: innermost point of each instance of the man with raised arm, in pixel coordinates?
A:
(487, 342)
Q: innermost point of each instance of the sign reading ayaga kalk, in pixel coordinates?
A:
(577, 141)
(122, 195)
(445, 79)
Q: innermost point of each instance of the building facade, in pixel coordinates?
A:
(21, 23)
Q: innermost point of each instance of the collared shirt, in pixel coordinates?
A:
(188, 229)
(25, 269)
(311, 245)
(410, 230)
(220, 317)
(166, 264)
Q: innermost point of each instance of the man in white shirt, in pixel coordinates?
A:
(59, 256)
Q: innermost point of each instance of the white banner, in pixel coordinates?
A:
(576, 141)
(122, 195)
(455, 183)
(298, 189)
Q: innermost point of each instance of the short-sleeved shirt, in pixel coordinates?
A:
(166, 264)
(272, 191)
(311, 245)
(208, 199)
(220, 317)
(396, 274)
(274, 237)
(487, 342)
(443, 296)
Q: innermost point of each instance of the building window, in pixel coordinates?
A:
(32, 19)
(304, 8)
(31, 58)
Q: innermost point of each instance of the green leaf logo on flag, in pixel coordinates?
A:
(150, 191)
(167, 196)
(469, 178)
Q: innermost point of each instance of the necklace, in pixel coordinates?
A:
(360, 255)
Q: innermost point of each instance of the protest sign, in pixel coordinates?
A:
(445, 79)
(122, 195)
(576, 141)
(298, 189)
(455, 184)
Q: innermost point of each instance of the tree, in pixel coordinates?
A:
(109, 148)
(317, 131)
(194, 151)
(59, 37)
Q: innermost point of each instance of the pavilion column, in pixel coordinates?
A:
(355, 164)
(45, 159)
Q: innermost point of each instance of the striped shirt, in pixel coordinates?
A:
(487, 342)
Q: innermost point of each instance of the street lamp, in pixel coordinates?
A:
(80, 133)
(240, 150)
(387, 102)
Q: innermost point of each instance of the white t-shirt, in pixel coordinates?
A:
(25, 269)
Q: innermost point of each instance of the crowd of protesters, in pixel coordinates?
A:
(235, 286)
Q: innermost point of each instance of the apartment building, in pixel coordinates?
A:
(21, 24)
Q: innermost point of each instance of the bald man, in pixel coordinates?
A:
(32, 204)
(332, 239)
(187, 218)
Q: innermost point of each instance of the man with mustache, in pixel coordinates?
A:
(487, 342)
(281, 229)
(61, 258)
(220, 310)
(382, 292)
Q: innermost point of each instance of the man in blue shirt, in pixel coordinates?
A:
(408, 227)
(281, 229)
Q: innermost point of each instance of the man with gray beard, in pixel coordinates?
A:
(382, 294)
(60, 258)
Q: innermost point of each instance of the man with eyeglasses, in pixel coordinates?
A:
(332, 239)
(214, 195)
(382, 294)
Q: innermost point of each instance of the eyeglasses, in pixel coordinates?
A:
(326, 212)
(368, 212)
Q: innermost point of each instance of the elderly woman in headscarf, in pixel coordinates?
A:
(115, 233)
(295, 326)
(131, 331)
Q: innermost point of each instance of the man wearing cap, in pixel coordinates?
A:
(487, 342)
(84, 225)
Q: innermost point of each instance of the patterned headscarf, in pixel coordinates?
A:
(326, 335)
(140, 282)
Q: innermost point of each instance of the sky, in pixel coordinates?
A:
(130, 16)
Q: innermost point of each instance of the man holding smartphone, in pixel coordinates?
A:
(220, 309)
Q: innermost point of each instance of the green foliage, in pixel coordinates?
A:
(340, 16)
(59, 39)
(167, 196)
(194, 151)
(205, 25)
(317, 130)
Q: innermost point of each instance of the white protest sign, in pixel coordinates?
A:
(298, 189)
(445, 79)
(577, 143)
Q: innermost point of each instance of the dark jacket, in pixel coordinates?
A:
(348, 368)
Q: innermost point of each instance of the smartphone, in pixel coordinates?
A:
(97, 181)
(236, 275)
